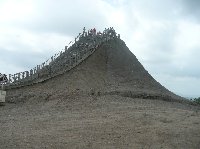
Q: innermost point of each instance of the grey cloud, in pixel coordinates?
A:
(21, 58)
(160, 44)
(191, 8)
(164, 10)
(172, 70)
(64, 17)
(184, 86)
(156, 9)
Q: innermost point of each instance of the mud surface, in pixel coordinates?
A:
(110, 121)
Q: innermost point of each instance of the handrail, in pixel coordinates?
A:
(73, 54)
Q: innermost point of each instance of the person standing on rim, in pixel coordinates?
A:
(94, 31)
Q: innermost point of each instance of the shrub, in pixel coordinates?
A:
(197, 100)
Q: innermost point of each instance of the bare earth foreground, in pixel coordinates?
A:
(107, 121)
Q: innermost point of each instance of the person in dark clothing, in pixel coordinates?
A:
(94, 31)
(3, 78)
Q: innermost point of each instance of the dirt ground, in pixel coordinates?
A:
(96, 122)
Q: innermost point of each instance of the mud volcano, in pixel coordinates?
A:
(94, 95)
(97, 64)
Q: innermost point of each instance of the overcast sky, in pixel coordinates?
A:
(163, 34)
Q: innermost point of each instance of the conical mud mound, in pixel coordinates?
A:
(111, 69)
(91, 97)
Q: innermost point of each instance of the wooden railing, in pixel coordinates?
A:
(84, 45)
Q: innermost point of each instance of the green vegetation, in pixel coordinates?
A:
(196, 100)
